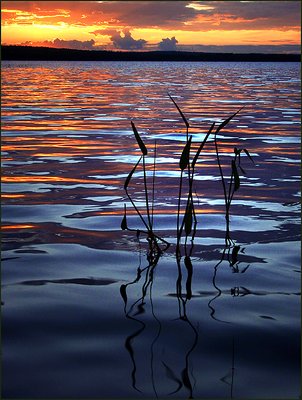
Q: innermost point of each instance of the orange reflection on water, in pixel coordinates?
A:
(17, 226)
(22, 139)
(52, 146)
(57, 179)
(70, 124)
(18, 148)
(12, 195)
(158, 211)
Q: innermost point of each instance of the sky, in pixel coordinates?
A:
(223, 26)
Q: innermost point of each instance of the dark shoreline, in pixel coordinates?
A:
(28, 53)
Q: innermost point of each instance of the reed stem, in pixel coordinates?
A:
(227, 217)
(220, 169)
(178, 206)
(137, 210)
(146, 193)
(153, 183)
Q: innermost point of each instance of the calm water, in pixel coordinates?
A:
(233, 328)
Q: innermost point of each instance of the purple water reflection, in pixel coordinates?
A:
(67, 148)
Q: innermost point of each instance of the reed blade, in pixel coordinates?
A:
(186, 379)
(237, 151)
(131, 173)
(242, 170)
(188, 219)
(123, 293)
(171, 375)
(224, 123)
(235, 255)
(139, 140)
(185, 156)
(202, 145)
(180, 112)
(189, 266)
(124, 220)
(249, 156)
(236, 175)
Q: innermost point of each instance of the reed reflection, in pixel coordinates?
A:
(137, 310)
(141, 311)
(230, 256)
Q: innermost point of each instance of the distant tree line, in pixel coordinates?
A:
(52, 54)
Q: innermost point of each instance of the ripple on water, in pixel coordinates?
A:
(65, 160)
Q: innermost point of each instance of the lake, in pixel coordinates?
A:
(90, 310)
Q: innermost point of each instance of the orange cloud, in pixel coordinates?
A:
(220, 22)
(161, 14)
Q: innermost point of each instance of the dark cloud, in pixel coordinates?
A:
(104, 32)
(127, 42)
(74, 44)
(64, 44)
(184, 15)
(254, 14)
(149, 14)
(168, 44)
(204, 15)
(287, 11)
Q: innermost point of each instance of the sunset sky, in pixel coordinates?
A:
(264, 26)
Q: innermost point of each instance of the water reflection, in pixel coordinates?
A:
(230, 255)
(141, 311)
(186, 377)
(67, 149)
(182, 375)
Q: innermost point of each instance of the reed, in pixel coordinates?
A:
(184, 163)
(186, 223)
(149, 223)
(186, 220)
(234, 183)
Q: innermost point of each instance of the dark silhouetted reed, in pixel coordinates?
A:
(186, 220)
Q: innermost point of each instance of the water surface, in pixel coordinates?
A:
(67, 148)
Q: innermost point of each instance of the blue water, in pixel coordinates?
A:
(92, 311)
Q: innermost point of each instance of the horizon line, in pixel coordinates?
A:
(148, 51)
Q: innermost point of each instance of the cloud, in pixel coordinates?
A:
(168, 44)
(205, 15)
(123, 14)
(64, 44)
(183, 15)
(104, 32)
(110, 23)
(248, 15)
(151, 14)
(74, 44)
(127, 42)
